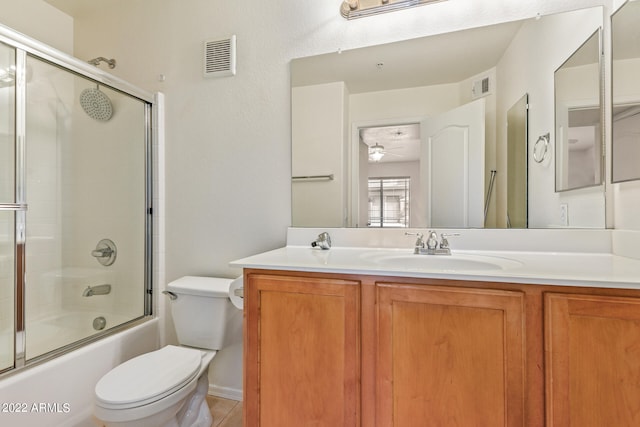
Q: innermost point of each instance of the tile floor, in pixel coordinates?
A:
(225, 412)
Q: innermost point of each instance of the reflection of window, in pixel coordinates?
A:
(389, 200)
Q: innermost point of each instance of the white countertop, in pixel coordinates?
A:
(552, 268)
(592, 258)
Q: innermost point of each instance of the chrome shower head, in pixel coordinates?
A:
(96, 104)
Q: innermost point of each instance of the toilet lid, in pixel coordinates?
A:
(148, 377)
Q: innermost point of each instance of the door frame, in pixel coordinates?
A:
(353, 165)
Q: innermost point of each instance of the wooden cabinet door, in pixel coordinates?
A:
(449, 356)
(302, 358)
(592, 346)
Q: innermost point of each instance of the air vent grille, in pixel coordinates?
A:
(220, 57)
(480, 88)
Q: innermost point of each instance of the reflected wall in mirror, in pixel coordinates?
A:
(579, 118)
(337, 96)
(625, 34)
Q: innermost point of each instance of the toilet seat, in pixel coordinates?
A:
(148, 377)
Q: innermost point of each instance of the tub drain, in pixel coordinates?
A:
(99, 323)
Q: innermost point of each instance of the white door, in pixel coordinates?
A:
(452, 167)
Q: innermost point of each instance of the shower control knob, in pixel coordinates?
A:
(105, 252)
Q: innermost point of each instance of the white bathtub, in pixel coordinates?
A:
(52, 332)
(60, 392)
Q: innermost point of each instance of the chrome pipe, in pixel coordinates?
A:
(96, 61)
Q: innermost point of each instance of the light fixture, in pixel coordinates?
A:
(352, 9)
(376, 152)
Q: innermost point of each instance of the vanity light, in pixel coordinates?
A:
(352, 9)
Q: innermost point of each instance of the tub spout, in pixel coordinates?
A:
(96, 290)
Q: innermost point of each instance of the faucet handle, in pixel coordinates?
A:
(323, 241)
(419, 243)
(419, 235)
(444, 243)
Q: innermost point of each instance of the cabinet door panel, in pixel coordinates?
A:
(592, 346)
(302, 352)
(449, 356)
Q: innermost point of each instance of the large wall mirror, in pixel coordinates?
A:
(578, 109)
(438, 131)
(625, 38)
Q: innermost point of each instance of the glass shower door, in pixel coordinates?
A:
(8, 206)
(85, 246)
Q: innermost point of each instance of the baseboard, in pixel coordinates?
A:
(225, 392)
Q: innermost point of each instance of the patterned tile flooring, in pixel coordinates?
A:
(225, 412)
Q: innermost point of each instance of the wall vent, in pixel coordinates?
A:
(480, 88)
(220, 57)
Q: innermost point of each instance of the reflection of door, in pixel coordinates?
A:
(517, 164)
(452, 166)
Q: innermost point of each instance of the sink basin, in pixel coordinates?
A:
(454, 262)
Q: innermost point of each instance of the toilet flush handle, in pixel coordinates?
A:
(171, 295)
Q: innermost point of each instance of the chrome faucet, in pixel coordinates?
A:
(432, 241)
(96, 290)
(431, 246)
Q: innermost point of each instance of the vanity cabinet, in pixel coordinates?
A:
(302, 351)
(327, 349)
(592, 345)
(449, 355)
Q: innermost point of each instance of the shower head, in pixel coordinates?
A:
(96, 104)
(96, 61)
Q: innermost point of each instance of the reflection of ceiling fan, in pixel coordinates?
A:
(377, 152)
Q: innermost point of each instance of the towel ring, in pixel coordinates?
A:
(540, 151)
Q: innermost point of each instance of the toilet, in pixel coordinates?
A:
(167, 387)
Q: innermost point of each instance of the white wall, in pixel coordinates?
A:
(39, 20)
(228, 139)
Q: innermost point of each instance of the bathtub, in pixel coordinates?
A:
(55, 331)
(60, 392)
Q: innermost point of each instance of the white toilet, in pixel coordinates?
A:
(167, 387)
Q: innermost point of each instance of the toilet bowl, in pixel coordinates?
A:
(167, 387)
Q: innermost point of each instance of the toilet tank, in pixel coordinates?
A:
(201, 310)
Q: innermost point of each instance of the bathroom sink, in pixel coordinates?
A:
(454, 262)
